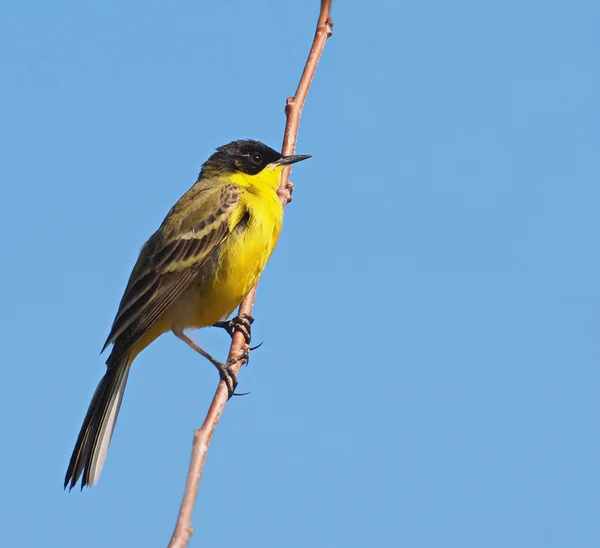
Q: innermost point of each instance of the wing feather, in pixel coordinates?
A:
(167, 265)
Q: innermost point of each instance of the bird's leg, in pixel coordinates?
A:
(225, 370)
(241, 323)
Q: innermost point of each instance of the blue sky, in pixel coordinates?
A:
(431, 317)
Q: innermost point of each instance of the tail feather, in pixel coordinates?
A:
(98, 425)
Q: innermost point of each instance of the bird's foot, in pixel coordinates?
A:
(228, 374)
(241, 323)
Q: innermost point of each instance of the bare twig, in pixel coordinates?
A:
(202, 436)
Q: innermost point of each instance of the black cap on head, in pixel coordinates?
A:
(246, 155)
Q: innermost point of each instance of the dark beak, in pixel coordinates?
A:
(287, 160)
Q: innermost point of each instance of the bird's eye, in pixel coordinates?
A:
(256, 159)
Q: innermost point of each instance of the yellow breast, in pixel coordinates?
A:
(244, 254)
(247, 250)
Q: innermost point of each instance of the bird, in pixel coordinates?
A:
(193, 272)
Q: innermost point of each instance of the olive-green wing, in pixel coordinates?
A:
(189, 238)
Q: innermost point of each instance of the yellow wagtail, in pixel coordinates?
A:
(193, 272)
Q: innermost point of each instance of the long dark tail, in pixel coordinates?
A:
(98, 426)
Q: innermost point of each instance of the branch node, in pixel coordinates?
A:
(285, 193)
(289, 103)
(329, 26)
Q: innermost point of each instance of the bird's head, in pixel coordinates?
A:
(250, 161)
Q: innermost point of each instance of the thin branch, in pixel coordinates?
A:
(202, 436)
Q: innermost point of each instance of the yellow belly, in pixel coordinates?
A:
(241, 261)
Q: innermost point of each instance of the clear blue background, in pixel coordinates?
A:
(431, 316)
